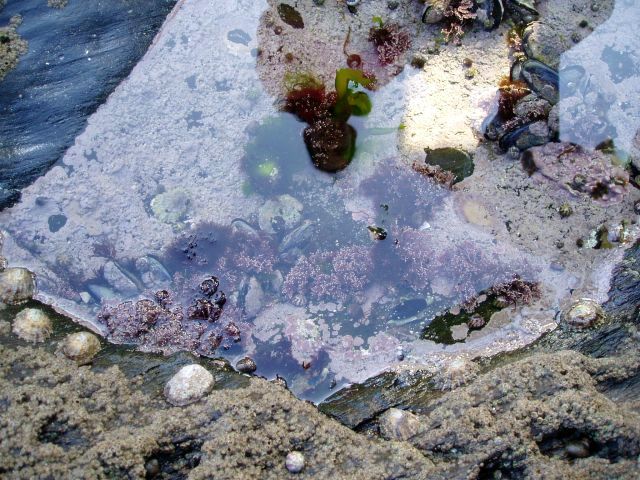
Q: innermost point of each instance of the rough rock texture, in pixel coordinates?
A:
(59, 420)
(533, 418)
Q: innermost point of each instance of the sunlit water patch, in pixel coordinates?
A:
(191, 214)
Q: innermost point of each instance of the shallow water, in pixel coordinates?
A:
(190, 171)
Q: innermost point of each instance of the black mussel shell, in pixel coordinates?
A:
(495, 11)
(522, 138)
(541, 78)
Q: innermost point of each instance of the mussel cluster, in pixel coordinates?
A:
(526, 115)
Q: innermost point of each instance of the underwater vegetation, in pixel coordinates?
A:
(329, 275)
(476, 312)
(274, 154)
(329, 139)
(457, 272)
(407, 198)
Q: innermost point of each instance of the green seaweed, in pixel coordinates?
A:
(439, 330)
(351, 101)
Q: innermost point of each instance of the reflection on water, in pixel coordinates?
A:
(191, 215)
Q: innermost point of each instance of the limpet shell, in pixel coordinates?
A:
(584, 313)
(32, 325)
(17, 285)
(81, 347)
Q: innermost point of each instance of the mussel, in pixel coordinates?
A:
(541, 78)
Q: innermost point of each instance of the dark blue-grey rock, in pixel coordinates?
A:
(77, 56)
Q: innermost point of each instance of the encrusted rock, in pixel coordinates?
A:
(81, 347)
(455, 374)
(283, 213)
(189, 385)
(17, 285)
(32, 325)
(294, 462)
(396, 424)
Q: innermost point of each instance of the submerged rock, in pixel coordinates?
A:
(32, 325)
(189, 385)
(17, 285)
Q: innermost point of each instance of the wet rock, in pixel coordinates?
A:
(81, 347)
(17, 285)
(32, 325)
(298, 238)
(584, 313)
(254, 298)
(434, 10)
(331, 144)
(532, 106)
(295, 462)
(542, 42)
(189, 385)
(396, 424)
(452, 160)
(153, 274)
(171, 206)
(246, 365)
(455, 373)
(578, 170)
(120, 279)
(282, 213)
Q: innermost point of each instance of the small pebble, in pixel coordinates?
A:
(467, 62)
(32, 325)
(190, 384)
(295, 462)
(246, 365)
(393, 4)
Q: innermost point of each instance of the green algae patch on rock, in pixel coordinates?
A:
(290, 16)
(451, 159)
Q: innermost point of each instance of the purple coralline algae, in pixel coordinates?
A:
(161, 325)
(329, 275)
(578, 171)
(468, 267)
